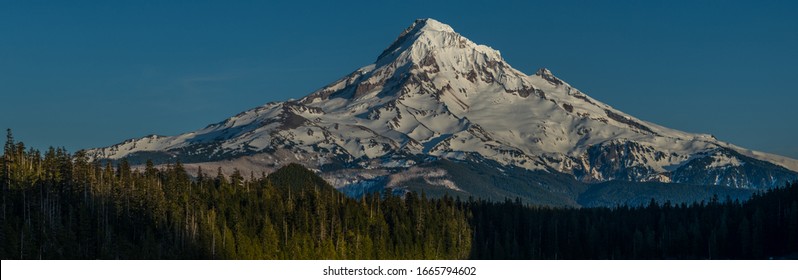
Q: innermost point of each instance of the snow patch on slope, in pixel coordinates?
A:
(724, 160)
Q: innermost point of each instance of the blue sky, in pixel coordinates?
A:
(83, 74)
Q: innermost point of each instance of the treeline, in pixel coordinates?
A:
(766, 226)
(61, 206)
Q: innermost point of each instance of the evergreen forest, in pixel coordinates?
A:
(57, 205)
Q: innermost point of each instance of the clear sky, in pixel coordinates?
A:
(84, 74)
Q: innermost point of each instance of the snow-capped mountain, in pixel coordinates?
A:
(435, 95)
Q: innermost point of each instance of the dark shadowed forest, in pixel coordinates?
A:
(57, 205)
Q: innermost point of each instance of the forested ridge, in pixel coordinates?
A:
(56, 205)
(61, 206)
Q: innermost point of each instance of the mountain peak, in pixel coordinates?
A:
(428, 24)
(428, 32)
(433, 95)
(427, 38)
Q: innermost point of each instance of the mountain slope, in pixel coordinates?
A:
(433, 95)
